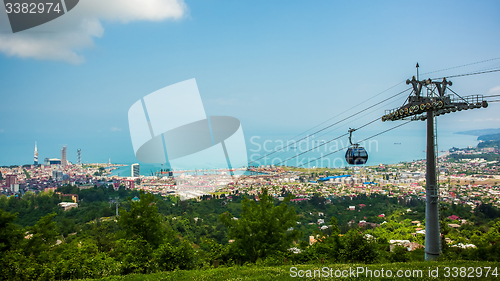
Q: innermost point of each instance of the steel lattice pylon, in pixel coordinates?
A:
(421, 107)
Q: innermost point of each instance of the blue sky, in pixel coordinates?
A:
(281, 67)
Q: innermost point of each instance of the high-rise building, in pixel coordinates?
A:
(36, 155)
(63, 157)
(57, 175)
(79, 156)
(52, 161)
(10, 180)
(134, 170)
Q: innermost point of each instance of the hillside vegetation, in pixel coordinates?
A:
(415, 271)
(217, 237)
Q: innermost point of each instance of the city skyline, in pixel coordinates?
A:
(280, 68)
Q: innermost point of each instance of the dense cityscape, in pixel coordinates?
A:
(364, 214)
(470, 181)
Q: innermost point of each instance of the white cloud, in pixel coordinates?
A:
(494, 90)
(115, 129)
(484, 120)
(61, 38)
(131, 10)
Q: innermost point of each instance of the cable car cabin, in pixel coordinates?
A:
(356, 155)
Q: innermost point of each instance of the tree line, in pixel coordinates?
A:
(154, 233)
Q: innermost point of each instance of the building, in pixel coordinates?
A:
(134, 172)
(65, 179)
(128, 184)
(57, 175)
(51, 161)
(410, 246)
(10, 180)
(79, 156)
(73, 197)
(64, 162)
(36, 155)
(68, 205)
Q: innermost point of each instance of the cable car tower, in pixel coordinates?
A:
(422, 106)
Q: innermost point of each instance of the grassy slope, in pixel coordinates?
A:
(275, 273)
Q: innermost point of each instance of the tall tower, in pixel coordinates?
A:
(79, 156)
(134, 170)
(428, 100)
(63, 156)
(36, 155)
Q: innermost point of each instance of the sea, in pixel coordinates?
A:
(393, 148)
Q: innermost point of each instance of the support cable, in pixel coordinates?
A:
(329, 131)
(331, 125)
(467, 74)
(375, 109)
(312, 149)
(491, 96)
(357, 142)
(461, 66)
(348, 109)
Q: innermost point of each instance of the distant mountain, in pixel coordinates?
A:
(480, 132)
(491, 137)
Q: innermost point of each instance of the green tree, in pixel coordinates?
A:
(3, 202)
(399, 254)
(42, 237)
(170, 257)
(356, 248)
(335, 226)
(143, 220)
(327, 247)
(263, 229)
(11, 259)
(82, 259)
(136, 256)
(103, 234)
(10, 234)
(38, 250)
